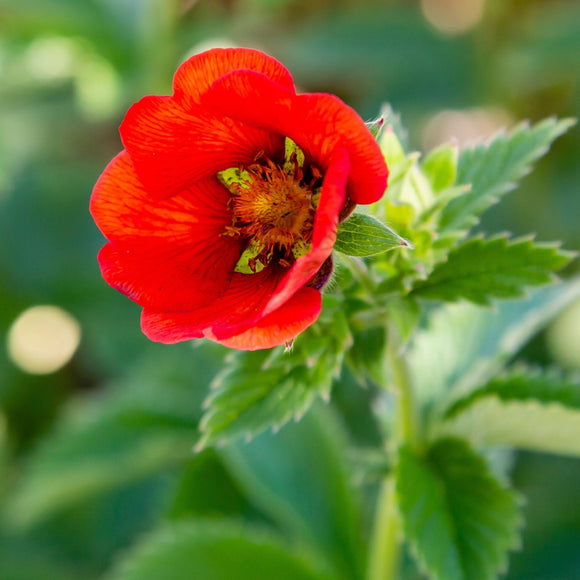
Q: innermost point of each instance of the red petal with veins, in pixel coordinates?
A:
(318, 123)
(164, 212)
(196, 75)
(166, 254)
(172, 148)
(233, 312)
(282, 325)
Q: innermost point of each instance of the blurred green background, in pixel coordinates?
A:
(69, 69)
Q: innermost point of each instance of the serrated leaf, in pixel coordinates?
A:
(263, 389)
(391, 147)
(479, 270)
(363, 235)
(217, 551)
(522, 384)
(493, 169)
(463, 346)
(440, 166)
(299, 478)
(530, 410)
(459, 520)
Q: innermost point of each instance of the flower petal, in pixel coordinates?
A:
(281, 325)
(318, 123)
(168, 254)
(234, 312)
(324, 233)
(123, 210)
(172, 148)
(196, 75)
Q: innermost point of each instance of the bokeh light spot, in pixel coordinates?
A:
(43, 339)
(51, 58)
(464, 127)
(563, 338)
(453, 16)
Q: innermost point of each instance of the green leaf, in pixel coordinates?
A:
(376, 126)
(391, 147)
(464, 346)
(145, 424)
(493, 169)
(263, 389)
(526, 409)
(459, 520)
(404, 314)
(363, 235)
(299, 478)
(365, 357)
(479, 270)
(440, 166)
(206, 489)
(522, 384)
(216, 551)
(29, 560)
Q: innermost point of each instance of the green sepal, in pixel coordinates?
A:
(363, 235)
(375, 127)
(250, 253)
(235, 178)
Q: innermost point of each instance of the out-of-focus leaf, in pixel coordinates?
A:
(492, 170)
(366, 355)
(75, 464)
(403, 315)
(363, 235)
(459, 520)
(463, 346)
(217, 551)
(479, 270)
(530, 410)
(206, 489)
(523, 384)
(22, 561)
(263, 389)
(143, 426)
(299, 478)
(440, 166)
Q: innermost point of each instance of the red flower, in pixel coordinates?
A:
(222, 211)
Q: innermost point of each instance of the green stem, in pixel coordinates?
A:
(360, 272)
(407, 415)
(385, 543)
(387, 534)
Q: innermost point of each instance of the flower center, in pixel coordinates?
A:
(273, 209)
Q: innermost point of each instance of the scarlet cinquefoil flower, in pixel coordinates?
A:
(222, 210)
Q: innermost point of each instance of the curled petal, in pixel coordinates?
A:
(318, 123)
(196, 75)
(236, 310)
(324, 234)
(281, 325)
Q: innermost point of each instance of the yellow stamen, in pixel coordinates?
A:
(273, 209)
